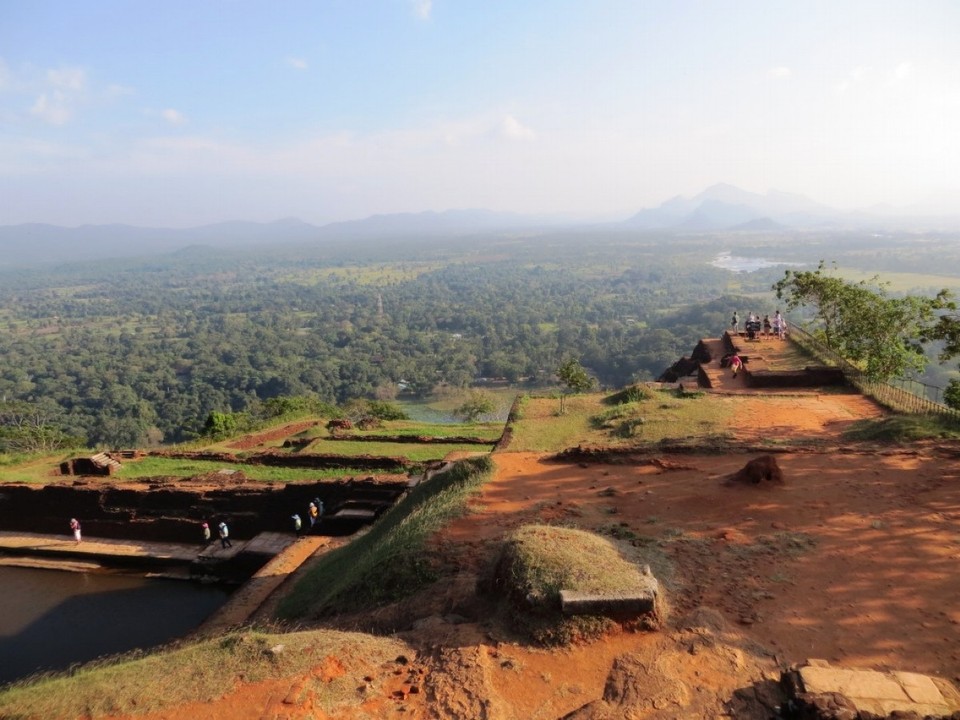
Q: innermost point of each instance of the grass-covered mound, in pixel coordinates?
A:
(197, 672)
(388, 562)
(538, 561)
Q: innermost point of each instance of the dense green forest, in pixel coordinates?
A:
(136, 352)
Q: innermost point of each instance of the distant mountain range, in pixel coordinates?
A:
(725, 207)
(720, 208)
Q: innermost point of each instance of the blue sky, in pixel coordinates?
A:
(187, 112)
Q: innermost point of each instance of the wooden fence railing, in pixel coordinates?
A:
(890, 394)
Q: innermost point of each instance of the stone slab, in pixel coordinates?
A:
(353, 514)
(269, 543)
(640, 600)
(852, 683)
(919, 688)
(879, 693)
(64, 546)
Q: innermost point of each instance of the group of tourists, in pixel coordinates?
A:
(756, 328)
(222, 529)
(314, 511)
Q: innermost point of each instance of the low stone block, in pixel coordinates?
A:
(919, 688)
(639, 601)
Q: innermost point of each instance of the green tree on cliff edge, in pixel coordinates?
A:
(881, 335)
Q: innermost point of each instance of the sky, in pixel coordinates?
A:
(176, 113)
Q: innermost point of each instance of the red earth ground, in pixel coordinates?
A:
(853, 558)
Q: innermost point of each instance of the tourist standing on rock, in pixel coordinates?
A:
(206, 533)
(75, 528)
(778, 325)
(297, 524)
(767, 327)
(313, 514)
(735, 323)
(224, 535)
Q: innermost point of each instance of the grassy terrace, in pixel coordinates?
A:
(486, 431)
(589, 420)
(42, 469)
(410, 451)
(155, 467)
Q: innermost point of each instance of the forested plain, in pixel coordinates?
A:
(141, 351)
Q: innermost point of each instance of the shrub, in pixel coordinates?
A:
(634, 393)
(951, 396)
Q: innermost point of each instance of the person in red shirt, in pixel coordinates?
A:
(735, 364)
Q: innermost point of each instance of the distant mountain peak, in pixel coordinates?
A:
(724, 206)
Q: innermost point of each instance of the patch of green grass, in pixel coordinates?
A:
(195, 672)
(700, 417)
(903, 428)
(413, 452)
(387, 562)
(903, 282)
(542, 430)
(609, 417)
(487, 431)
(158, 467)
(33, 467)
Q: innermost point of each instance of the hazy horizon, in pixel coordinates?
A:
(177, 115)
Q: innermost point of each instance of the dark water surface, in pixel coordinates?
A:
(50, 620)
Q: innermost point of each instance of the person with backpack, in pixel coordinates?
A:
(224, 535)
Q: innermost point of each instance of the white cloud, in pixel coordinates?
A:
(174, 117)
(57, 94)
(53, 108)
(903, 71)
(297, 63)
(471, 130)
(858, 75)
(780, 71)
(116, 91)
(423, 8)
(67, 78)
(513, 129)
